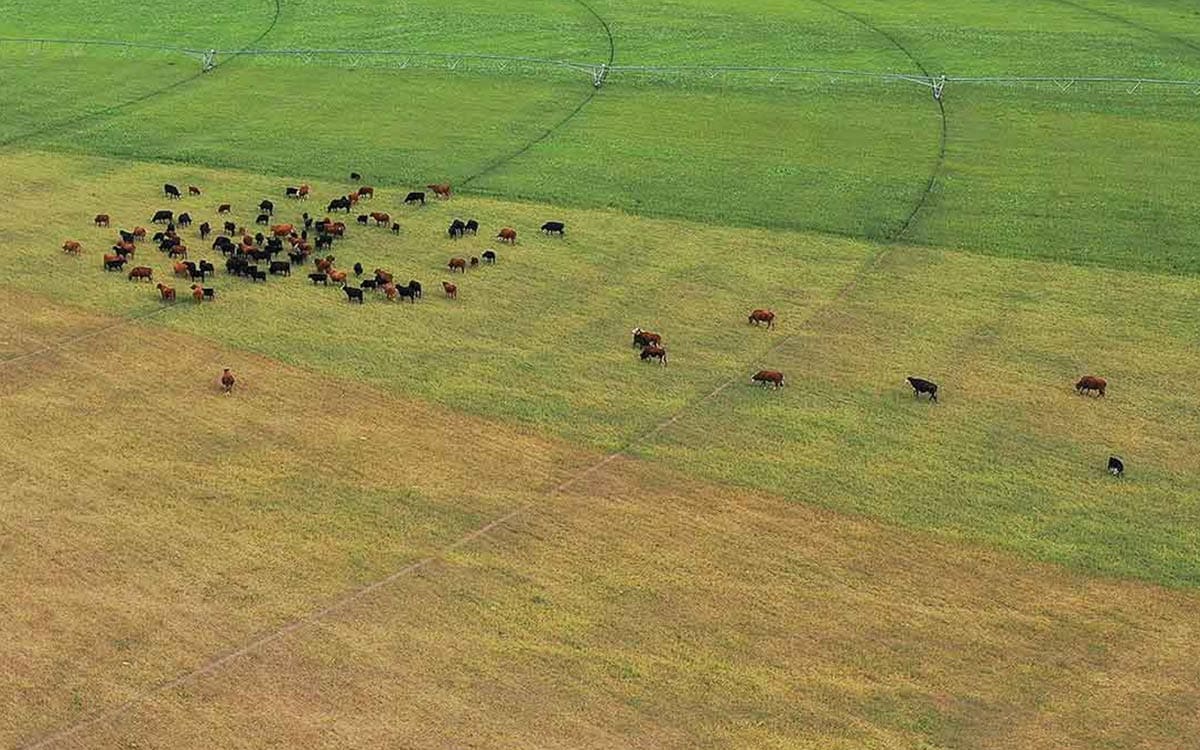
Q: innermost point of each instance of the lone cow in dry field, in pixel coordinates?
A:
(762, 316)
(227, 380)
(772, 378)
(1091, 383)
(920, 385)
(72, 247)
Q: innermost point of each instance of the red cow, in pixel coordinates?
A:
(762, 316)
(1091, 383)
(654, 352)
(768, 377)
(101, 220)
(507, 234)
(450, 289)
(282, 230)
(458, 264)
(380, 218)
(72, 247)
(646, 338)
(168, 294)
(441, 189)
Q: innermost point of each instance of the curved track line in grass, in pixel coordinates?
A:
(1194, 46)
(87, 117)
(612, 53)
(941, 157)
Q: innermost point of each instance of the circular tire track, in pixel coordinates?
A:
(612, 51)
(941, 157)
(88, 117)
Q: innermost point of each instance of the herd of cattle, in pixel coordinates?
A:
(245, 254)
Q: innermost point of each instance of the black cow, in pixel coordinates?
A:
(415, 286)
(554, 227)
(114, 264)
(353, 294)
(236, 266)
(263, 219)
(308, 222)
(292, 192)
(408, 291)
(296, 258)
(267, 207)
(280, 267)
(207, 267)
(184, 219)
(170, 191)
(324, 241)
(205, 230)
(415, 197)
(923, 386)
(230, 228)
(162, 217)
(370, 284)
(364, 219)
(259, 238)
(355, 177)
(196, 273)
(471, 227)
(358, 269)
(489, 256)
(209, 293)
(1116, 466)
(257, 275)
(457, 229)
(318, 278)
(126, 236)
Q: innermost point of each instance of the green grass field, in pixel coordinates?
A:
(680, 559)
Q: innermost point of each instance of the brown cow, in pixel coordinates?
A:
(101, 220)
(224, 208)
(139, 233)
(282, 230)
(193, 190)
(389, 289)
(197, 293)
(457, 263)
(654, 352)
(178, 251)
(141, 272)
(646, 338)
(337, 276)
(382, 276)
(181, 268)
(125, 248)
(168, 294)
(324, 264)
(366, 191)
(762, 316)
(1091, 383)
(768, 377)
(381, 218)
(441, 190)
(72, 247)
(450, 289)
(303, 192)
(507, 234)
(227, 381)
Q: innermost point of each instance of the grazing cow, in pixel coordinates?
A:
(474, 262)
(184, 220)
(338, 277)
(205, 230)
(263, 219)
(227, 381)
(1116, 466)
(224, 208)
(257, 275)
(1091, 383)
(181, 268)
(364, 219)
(304, 190)
(441, 189)
(177, 251)
(72, 247)
(353, 294)
(415, 287)
(415, 197)
(267, 207)
(197, 293)
(471, 227)
(355, 177)
(457, 264)
(101, 220)
(292, 192)
(280, 267)
(296, 258)
(224, 244)
(489, 256)
(193, 190)
(762, 316)
(646, 338)
(126, 236)
(408, 291)
(282, 230)
(168, 294)
(369, 284)
(507, 234)
(196, 273)
(339, 203)
(654, 352)
(337, 229)
(318, 278)
(768, 377)
(230, 228)
(451, 290)
(395, 228)
(382, 276)
(162, 217)
(124, 248)
(236, 266)
(113, 262)
(358, 269)
(380, 218)
(554, 227)
(170, 191)
(139, 233)
(366, 191)
(457, 229)
(920, 386)
(207, 267)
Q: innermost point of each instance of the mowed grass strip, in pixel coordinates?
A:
(641, 609)
(1010, 455)
(151, 523)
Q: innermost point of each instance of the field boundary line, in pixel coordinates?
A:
(75, 122)
(123, 321)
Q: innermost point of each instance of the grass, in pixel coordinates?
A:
(541, 340)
